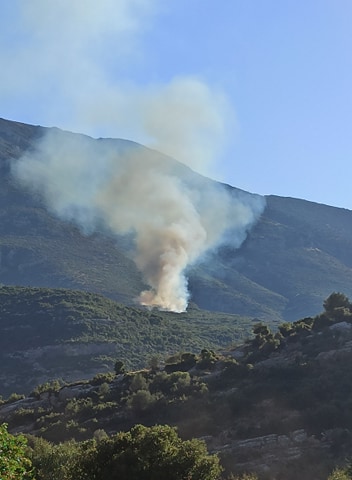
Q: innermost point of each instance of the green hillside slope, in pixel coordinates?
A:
(53, 333)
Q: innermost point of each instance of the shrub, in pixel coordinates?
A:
(339, 474)
(100, 378)
(14, 462)
(146, 453)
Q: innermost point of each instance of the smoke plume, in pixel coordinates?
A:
(79, 64)
(174, 214)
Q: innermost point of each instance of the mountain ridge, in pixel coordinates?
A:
(296, 254)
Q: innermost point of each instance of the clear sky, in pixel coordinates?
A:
(256, 93)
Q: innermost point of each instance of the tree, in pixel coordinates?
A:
(286, 329)
(336, 300)
(14, 462)
(138, 382)
(149, 453)
(119, 367)
(261, 329)
(207, 359)
(53, 462)
(141, 401)
(154, 363)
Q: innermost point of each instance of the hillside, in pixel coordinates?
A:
(293, 257)
(278, 405)
(55, 333)
(300, 250)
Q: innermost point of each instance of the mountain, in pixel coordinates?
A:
(293, 257)
(300, 251)
(278, 405)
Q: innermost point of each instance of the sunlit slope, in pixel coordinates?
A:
(47, 334)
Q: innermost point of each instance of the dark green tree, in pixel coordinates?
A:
(119, 367)
(261, 329)
(149, 453)
(154, 363)
(336, 300)
(207, 359)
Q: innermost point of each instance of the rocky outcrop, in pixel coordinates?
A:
(269, 453)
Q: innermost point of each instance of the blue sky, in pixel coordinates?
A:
(256, 93)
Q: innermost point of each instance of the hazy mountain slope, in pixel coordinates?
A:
(295, 255)
(301, 250)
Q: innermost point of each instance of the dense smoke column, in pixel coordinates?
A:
(174, 215)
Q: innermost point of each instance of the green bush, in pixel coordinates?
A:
(339, 474)
(101, 378)
(54, 462)
(141, 401)
(149, 453)
(143, 453)
(47, 387)
(14, 462)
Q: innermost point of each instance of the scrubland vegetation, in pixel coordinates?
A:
(295, 379)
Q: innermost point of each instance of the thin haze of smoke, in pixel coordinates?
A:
(71, 64)
(175, 215)
(185, 119)
(58, 55)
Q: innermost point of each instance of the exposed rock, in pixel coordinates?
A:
(269, 452)
(75, 391)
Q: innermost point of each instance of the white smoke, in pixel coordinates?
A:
(73, 62)
(78, 64)
(65, 57)
(184, 118)
(174, 214)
